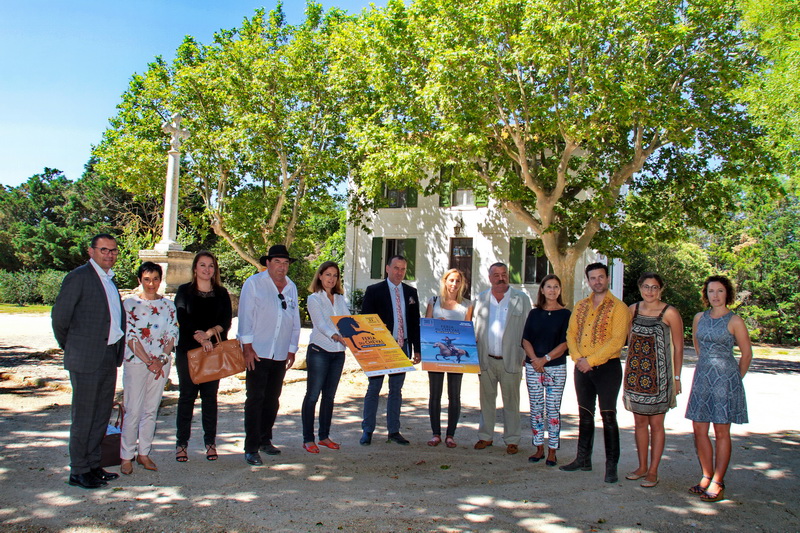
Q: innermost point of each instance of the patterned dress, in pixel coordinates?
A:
(717, 391)
(648, 387)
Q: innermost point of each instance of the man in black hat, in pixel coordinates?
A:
(269, 330)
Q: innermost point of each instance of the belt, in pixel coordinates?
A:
(495, 356)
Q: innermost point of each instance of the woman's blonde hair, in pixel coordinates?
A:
(461, 288)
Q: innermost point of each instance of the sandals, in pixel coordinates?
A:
(328, 443)
(449, 442)
(633, 476)
(435, 441)
(211, 452)
(180, 454)
(700, 489)
(310, 447)
(714, 496)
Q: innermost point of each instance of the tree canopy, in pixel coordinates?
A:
(773, 91)
(266, 145)
(596, 123)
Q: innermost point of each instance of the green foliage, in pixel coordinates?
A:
(773, 92)
(43, 223)
(555, 107)
(266, 149)
(18, 287)
(683, 267)
(760, 250)
(48, 285)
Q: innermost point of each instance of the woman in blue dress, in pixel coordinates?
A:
(717, 395)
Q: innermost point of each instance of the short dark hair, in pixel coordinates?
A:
(540, 299)
(498, 264)
(99, 236)
(595, 266)
(729, 290)
(149, 266)
(398, 256)
(649, 275)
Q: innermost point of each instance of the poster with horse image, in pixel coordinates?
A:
(372, 345)
(448, 346)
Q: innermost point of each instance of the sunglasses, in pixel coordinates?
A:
(282, 298)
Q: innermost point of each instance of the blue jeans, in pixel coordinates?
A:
(324, 371)
(393, 404)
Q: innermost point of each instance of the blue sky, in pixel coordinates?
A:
(65, 64)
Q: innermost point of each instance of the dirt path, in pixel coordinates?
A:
(383, 487)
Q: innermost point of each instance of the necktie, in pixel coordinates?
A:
(399, 313)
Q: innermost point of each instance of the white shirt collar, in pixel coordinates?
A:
(102, 273)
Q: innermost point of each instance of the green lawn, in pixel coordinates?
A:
(37, 309)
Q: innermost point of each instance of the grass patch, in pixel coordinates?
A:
(16, 309)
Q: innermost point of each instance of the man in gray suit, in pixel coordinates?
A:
(89, 325)
(500, 315)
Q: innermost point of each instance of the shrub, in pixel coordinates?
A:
(48, 285)
(18, 287)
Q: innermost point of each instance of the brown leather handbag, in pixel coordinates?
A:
(225, 359)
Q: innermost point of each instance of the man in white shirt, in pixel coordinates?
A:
(500, 314)
(269, 330)
(89, 325)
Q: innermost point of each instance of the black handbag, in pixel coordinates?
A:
(112, 441)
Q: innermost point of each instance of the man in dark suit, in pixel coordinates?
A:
(89, 325)
(397, 304)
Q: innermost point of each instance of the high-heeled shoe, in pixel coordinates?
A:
(714, 496)
(180, 453)
(700, 489)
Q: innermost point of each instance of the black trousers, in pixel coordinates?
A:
(186, 399)
(600, 385)
(436, 386)
(264, 386)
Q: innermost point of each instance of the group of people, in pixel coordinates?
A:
(98, 332)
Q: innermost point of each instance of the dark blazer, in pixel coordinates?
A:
(81, 320)
(378, 300)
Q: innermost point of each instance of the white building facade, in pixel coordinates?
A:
(463, 230)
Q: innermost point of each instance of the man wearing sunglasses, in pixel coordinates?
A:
(269, 330)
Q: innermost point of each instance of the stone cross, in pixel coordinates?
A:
(170, 229)
(178, 133)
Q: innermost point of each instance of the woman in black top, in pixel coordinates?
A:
(204, 308)
(544, 340)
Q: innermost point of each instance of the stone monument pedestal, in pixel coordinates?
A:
(177, 266)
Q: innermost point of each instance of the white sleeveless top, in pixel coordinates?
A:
(459, 313)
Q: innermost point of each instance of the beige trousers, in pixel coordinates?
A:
(509, 390)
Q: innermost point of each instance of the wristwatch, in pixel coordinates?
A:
(677, 378)
(547, 357)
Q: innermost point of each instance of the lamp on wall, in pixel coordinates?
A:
(459, 227)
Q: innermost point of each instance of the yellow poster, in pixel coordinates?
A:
(372, 344)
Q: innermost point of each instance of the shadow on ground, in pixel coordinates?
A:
(383, 487)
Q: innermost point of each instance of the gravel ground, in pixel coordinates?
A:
(383, 487)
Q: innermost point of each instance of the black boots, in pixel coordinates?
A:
(611, 438)
(583, 461)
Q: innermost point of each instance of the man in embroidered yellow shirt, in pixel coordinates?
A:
(597, 332)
